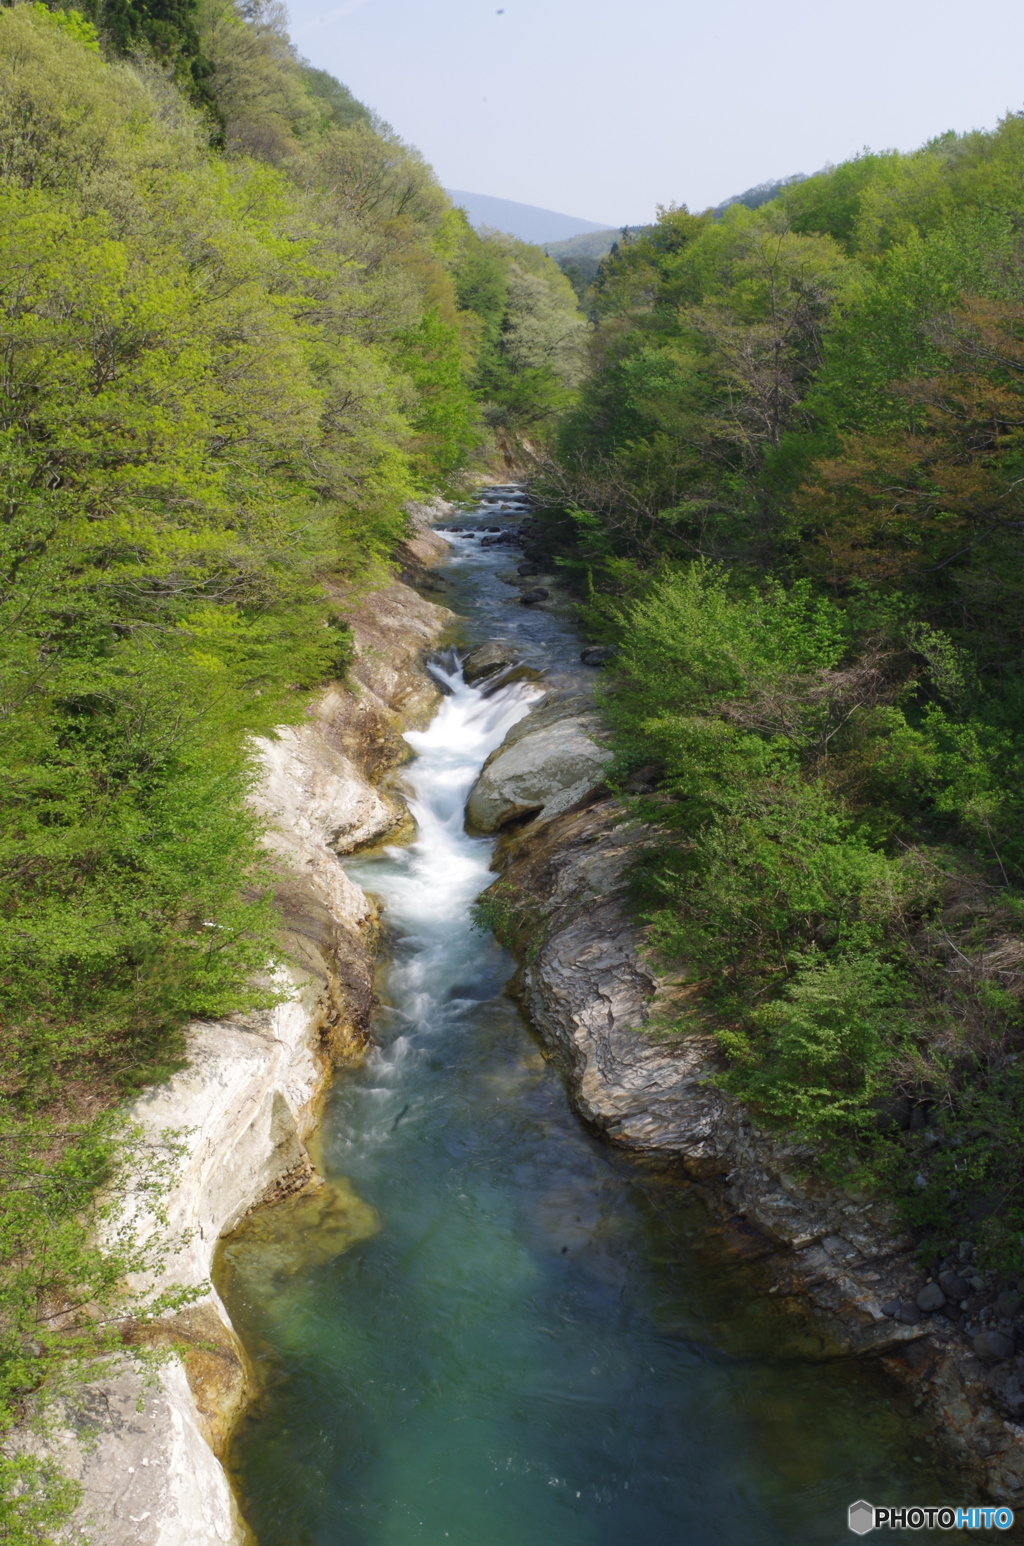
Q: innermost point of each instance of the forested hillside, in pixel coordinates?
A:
(240, 327)
(790, 494)
(779, 451)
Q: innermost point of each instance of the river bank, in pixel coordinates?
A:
(589, 987)
(144, 1441)
(410, 1246)
(517, 1330)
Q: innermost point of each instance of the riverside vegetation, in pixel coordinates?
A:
(790, 496)
(240, 327)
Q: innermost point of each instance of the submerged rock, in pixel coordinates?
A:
(597, 654)
(1006, 1382)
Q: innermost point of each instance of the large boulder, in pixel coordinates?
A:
(993, 1346)
(545, 764)
(487, 659)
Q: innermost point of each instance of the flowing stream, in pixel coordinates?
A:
(492, 1329)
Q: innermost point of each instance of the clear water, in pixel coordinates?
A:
(492, 1329)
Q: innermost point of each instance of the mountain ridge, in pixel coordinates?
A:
(529, 222)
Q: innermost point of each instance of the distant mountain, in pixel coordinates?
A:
(581, 243)
(763, 193)
(526, 221)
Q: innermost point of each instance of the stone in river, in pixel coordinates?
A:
(488, 658)
(597, 654)
(930, 1298)
(993, 1346)
(909, 1314)
(892, 1309)
(528, 568)
(529, 597)
(546, 764)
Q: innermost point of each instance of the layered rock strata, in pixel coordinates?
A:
(145, 1441)
(587, 983)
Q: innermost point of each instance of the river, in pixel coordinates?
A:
(493, 1329)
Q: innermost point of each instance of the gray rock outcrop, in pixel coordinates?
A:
(588, 984)
(488, 659)
(547, 763)
(423, 547)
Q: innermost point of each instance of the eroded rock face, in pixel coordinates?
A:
(393, 629)
(422, 549)
(145, 1445)
(589, 988)
(546, 763)
(317, 800)
(146, 1471)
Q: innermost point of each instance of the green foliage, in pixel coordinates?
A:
(446, 422)
(511, 918)
(222, 377)
(823, 393)
(529, 349)
(72, 22)
(815, 1058)
(36, 1499)
(728, 692)
(973, 1172)
(707, 335)
(803, 752)
(165, 29)
(876, 202)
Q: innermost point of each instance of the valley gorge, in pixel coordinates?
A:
(778, 1298)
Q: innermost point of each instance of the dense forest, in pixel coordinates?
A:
(240, 328)
(789, 493)
(777, 451)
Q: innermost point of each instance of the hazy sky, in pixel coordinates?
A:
(605, 108)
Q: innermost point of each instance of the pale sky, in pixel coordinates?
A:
(603, 109)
